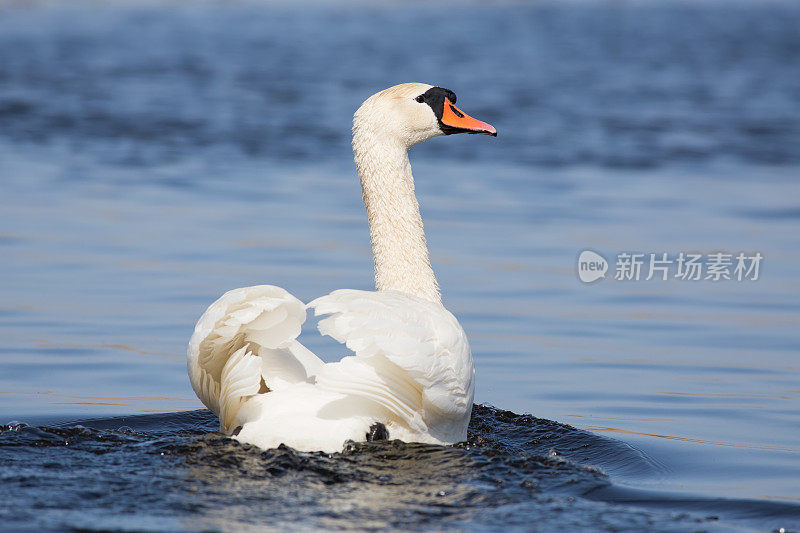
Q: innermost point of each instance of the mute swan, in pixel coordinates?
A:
(412, 376)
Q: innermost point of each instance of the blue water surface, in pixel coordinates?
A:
(153, 156)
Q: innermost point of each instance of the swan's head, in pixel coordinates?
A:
(410, 113)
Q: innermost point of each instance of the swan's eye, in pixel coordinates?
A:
(420, 98)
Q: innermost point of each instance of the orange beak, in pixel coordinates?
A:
(460, 122)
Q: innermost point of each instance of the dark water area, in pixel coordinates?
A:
(595, 83)
(173, 472)
(155, 155)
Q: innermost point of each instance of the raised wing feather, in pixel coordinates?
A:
(245, 343)
(411, 356)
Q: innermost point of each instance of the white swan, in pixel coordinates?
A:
(412, 376)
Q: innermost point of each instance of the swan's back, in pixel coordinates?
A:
(411, 373)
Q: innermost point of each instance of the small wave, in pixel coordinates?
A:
(174, 471)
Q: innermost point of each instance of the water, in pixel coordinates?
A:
(154, 156)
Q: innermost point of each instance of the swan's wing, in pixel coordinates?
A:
(411, 356)
(245, 343)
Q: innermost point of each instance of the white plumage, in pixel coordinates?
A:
(412, 368)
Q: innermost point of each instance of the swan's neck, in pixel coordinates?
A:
(395, 225)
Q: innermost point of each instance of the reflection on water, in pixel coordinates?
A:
(52, 398)
(153, 157)
(603, 429)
